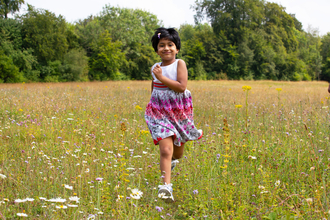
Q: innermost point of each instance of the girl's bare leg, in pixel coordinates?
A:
(178, 151)
(166, 153)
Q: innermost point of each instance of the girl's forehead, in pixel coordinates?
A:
(165, 40)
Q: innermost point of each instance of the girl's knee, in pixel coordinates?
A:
(166, 151)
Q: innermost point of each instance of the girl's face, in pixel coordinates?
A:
(166, 49)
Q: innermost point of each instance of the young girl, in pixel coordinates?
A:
(169, 114)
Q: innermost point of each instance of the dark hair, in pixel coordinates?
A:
(167, 33)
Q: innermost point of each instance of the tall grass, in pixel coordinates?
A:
(90, 141)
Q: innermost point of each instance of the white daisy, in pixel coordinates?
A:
(136, 194)
(22, 214)
(74, 198)
(68, 187)
(20, 200)
(2, 176)
(61, 207)
(60, 200)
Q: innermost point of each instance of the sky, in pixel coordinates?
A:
(312, 14)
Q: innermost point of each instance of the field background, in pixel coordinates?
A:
(264, 153)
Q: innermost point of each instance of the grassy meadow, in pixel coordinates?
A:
(77, 150)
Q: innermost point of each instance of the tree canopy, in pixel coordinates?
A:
(243, 39)
(9, 7)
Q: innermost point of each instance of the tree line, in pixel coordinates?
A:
(244, 39)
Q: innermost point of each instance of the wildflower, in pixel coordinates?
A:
(20, 200)
(277, 183)
(136, 194)
(137, 107)
(60, 200)
(99, 179)
(20, 110)
(278, 89)
(29, 199)
(159, 209)
(22, 215)
(312, 168)
(74, 198)
(91, 217)
(252, 157)
(100, 213)
(68, 187)
(73, 206)
(61, 207)
(246, 88)
(238, 106)
(309, 200)
(42, 198)
(261, 187)
(2, 176)
(195, 191)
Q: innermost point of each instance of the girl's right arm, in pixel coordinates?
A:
(152, 86)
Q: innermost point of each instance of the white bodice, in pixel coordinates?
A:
(170, 71)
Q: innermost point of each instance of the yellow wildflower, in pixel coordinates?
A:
(137, 107)
(238, 106)
(246, 88)
(144, 132)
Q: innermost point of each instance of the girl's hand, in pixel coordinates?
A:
(158, 72)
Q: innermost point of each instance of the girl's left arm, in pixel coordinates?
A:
(180, 84)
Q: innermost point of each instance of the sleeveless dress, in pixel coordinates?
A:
(170, 113)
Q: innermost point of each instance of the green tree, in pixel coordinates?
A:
(88, 31)
(9, 73)
(75, 66)
(325, 53)
(46, 34)
(9, 6)
(107, 59)
(11, 45)
(140, 59)
(133, 28)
